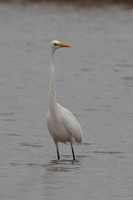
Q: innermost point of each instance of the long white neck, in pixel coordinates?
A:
(52, 91)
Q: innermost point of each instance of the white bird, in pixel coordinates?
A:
(61, 123)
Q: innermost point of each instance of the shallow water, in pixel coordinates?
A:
(94, 79)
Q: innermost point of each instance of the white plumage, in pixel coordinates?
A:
(61, 123)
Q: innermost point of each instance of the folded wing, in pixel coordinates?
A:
(71, 124)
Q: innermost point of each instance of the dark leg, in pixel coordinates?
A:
(57, 149)
(72, 151)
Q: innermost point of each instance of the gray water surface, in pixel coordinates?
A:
(94, 79)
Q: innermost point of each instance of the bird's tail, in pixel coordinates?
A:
(78, 140)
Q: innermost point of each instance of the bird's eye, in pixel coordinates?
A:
(55, 44)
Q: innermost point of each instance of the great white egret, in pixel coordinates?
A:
(61, 123)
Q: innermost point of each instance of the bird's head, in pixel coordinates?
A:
(55, 44)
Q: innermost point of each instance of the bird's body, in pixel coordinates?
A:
(61, 123)
(64, 127)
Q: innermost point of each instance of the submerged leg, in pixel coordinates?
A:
(72, 151)
(57, 149)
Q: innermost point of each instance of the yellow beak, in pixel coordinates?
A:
(63, 45)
